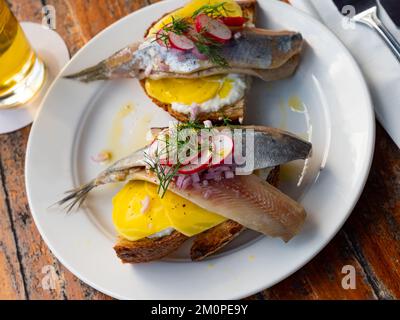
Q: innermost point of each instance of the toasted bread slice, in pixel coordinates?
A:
(214, 239)
(146, 249)
(235, 112)
(205, 244)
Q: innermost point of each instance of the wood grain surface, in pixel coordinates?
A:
(369, 241)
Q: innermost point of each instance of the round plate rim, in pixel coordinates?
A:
(359, 188)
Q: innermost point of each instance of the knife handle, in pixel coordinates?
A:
(371, 19)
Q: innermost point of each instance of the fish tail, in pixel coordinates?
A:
(75, 197)
(97, 72)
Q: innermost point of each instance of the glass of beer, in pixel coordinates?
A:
(22, 73)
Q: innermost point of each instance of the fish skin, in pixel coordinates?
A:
(279, 73)
(273, 147)
(214, 239)
(283, 146)
(262, 49)
(256, 49)
(248, 200)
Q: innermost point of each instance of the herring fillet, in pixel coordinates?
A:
(256, 49)
(282, 72)
(272, 147)
(248, 200)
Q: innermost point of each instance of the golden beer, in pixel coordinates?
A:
(21, 72)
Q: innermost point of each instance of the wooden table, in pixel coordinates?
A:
(369, 241)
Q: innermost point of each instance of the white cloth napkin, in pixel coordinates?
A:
(381, 69)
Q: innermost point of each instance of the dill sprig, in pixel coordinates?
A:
(213, 53)
(178, 25)
(204, 44)
(192, 124)
(227, 121)
(164, 174)
(210, 48)
(213, 10)
(173, 145)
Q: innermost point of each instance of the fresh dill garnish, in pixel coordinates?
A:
(213, 53)
(178, 26)
(204, 44)
(192, 124)
(227, 121)
(210, 48)
(213, 10)
(175, 147)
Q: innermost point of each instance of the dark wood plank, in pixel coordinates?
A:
(369, 241)
(11, 278)
(26, 260)
(12, 275)
(374, 227)
(80, 20)
(322, 277)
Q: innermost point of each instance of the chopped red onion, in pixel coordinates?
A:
(179, 181)
(187, 182)
(195, 177)
(197, 185)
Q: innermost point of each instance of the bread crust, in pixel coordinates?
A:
(146, 249)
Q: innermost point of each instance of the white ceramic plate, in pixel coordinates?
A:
(75, 122)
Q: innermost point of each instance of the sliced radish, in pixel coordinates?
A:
(203, 163)
(180, 42)
(234, 21)
(223, 149)
(213, 28)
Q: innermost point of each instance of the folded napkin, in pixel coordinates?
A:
(380, 67)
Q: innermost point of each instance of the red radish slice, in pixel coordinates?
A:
(213, 28)
(233, 21)
(203, 163)
(180, 42)
(223, 149)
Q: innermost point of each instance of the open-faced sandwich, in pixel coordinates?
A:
(199, 180)
(197, 62)
(196, 180)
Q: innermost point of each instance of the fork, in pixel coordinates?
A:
(370, 17)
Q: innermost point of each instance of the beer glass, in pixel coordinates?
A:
(22, 73)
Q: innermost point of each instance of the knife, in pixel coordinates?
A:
(367, 13)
